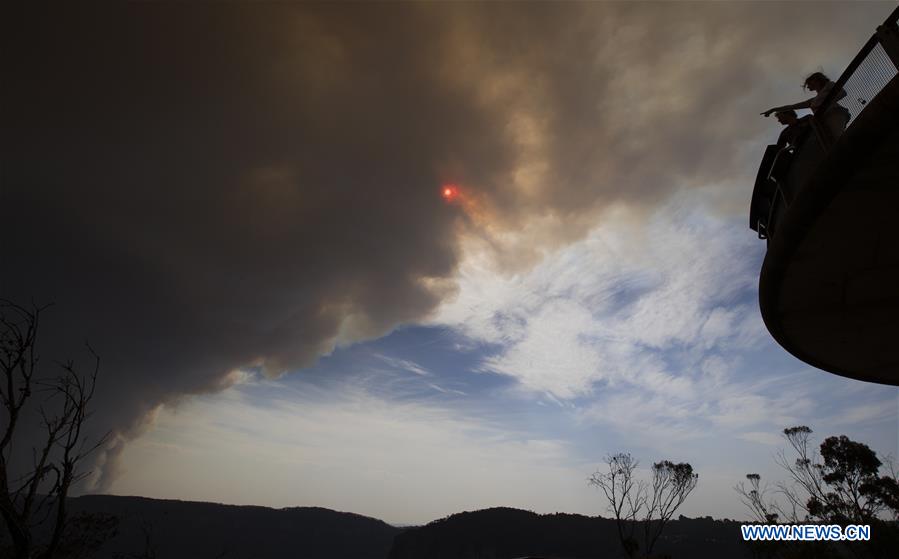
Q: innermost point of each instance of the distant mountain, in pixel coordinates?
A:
(504, 533)
(163, 529)
(168, 529)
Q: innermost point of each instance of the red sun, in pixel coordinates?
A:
(449, 192)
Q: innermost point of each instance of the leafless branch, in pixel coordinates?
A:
(634, 502)
(40, 493)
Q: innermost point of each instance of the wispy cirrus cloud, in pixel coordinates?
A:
(651, 329)
(618, 306)
(405, 365)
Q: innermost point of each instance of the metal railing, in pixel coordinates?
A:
(869, 72)
(875, 66)
(873, 73)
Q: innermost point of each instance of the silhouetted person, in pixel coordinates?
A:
(834, 118)
(795, 127)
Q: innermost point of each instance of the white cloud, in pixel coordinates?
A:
(405, 365)
(608, 308)
(868, 412)
(647, 326)
(553, 347)
(443, 390)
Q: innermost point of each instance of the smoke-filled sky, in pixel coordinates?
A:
(241, 207)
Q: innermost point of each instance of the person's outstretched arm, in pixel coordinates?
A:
(807, 104)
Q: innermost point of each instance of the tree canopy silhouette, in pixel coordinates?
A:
(845, 482)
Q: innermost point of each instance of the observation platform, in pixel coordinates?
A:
(829, 209)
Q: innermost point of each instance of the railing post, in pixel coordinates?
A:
(888, 36)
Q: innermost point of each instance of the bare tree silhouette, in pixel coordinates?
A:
(38, 495)
(635, 502)
(756, 498)
(626, 496)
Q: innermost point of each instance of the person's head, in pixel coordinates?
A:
(786, 117)
(816, 81)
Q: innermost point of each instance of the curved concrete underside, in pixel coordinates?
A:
(829, 286)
